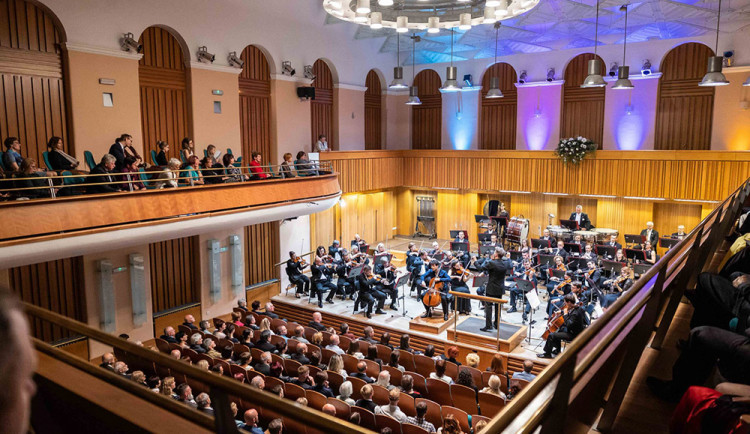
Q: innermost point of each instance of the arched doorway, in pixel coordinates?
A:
(255, 105)
(32, 94)
(427, 118)
(165, 98)
(582, 108)
(373, 111)
(321, 108)
(497, 121)
(684, 110)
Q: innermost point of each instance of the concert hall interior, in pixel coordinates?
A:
(375, 215)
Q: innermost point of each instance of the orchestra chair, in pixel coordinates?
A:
(162, 345)
(315, 399)
(406, 359)
(383, 421)
(89, 158)
(490, 405)
(407, 428)
(439, 391)
(343, 410)
(424, 365)
(434, 413)
(406, 404)
(461, 416)
(396, 375)
(249, 375)
(464, 398)
(373, 369)
(357, 384)
(335, 380)
(420, 384)
(292, 391)
(256, 353)
(367, 418)
(313, 370)
(384, 353)
(379, 395)
(191, 354)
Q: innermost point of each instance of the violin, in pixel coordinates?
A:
(432, 297)
(562, 284)
(300, 261)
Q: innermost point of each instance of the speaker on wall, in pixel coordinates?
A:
(306, 92)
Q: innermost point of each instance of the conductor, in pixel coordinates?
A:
(496, 267)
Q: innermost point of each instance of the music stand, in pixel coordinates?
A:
(356, 271)
(400, 282)
(570, 224)
(460, 247)
(641, 269)
(606, 251)
(634, 239)
(439, 256)
(635, 254)
(484, 238)
(516, 256)
(526, 286)
(539, 243)
(560, 274)
(480, 281)
(548, 260)
(486, 250)
(580, 262)
(481, 218)
(614, 267)
(572, 248)
(668, 242)
(454, 234)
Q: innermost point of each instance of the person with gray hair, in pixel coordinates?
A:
(100, 178)
(384, 380)
(196, 343)
(176, 354)
(122, 369)
(204, 403)
(334, 345)
(209, 345)
(345, 392)
(258, 382)
(168, 178)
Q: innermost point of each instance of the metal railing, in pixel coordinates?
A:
(222, 389)
(596, 368)
(51, 186)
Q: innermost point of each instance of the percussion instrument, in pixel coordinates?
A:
(518, 229)
(603, 234)
(559, 232)
(588, 236)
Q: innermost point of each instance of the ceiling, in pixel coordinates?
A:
(565, 24)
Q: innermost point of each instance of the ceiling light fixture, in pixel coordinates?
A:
(376, 20)
(402, 24)
(623, 72)
(595, 79)
(451, 82)
(714, 76)
(360, 18)
(550, 74)
(433, 25)
(492, 3)
(465, 22)
(413, 91)
(489, 15)
(335, 3)
(494, 90)
(646, 68)
(398, 71)
(501, 10)
(363, 7)
(385, 2)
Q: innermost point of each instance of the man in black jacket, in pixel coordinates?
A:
(581, 218)
(263, 343)
(366, 402)
(117, 150)
(300, 356)
(169, 335)
(104, 172)
(650, 234)
(361, 374)
(316, 322)
(295, 266)
(496, 267)
(575, 322)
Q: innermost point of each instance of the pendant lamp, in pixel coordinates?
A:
(398, 71)
(494, 91)
(451, 82)
(714, 76)
(413, 92)
(595, 79)
(623, 72)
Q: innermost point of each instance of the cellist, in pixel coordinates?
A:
(435, 272)
(574, 323)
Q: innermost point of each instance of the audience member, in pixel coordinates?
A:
(439, 373)
(154, 383)
(334, 345)
(169, 335)
(169, 175)
(385, 339)
(361, 368)
(466, 379)
(366, 402)
(336, 364)
(210, 346)
(282, 332)
(263, 343)
(233, 173)
(329, 410)
(299, 355)
(241, 303)
(419, 420)
(407, 386)
(190, 322)
(12, 158)
(117, 150)
(496, 365)
(161, 157)
(404, 343)
(258, 383)
(185, 395)
(101, 179)
(344, 328)
(303, 379)
(450, 426)
(393, 362)
(480, 426)
(472, 360)
(429, 351)
(186, 149)
(316, 322)
(203, 365)
(317, 339)
(236, 316)
(192, 173)
(369, 336)
(315, 358)
(263, 365)
(384, 380)
(203, 403)
(140, 378)
(299, 335)
(270, 311)
(251, 422)
(391, 409)
(58, 158)
(167, 387)
(345, 392)
(321, 384)
(244, 361)
(285, 169)
(131, 175)
(354, 350)
(256, 169)
(451, 354)
(526, 374)
(108, 361)
(372, 354)
(121, 368)
(276, 426)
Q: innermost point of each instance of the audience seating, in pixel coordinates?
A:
(89, 158)
(162, 345)
(343, 410)
(424, 365)
(272, 382)
(420, 384)
(434, 413)
(503, 381)
(357, 384)
(335, 380)
(396, 375)
(475, 418)
(476, 375)
(252, 374)
(461, 416)
(315, 399)
(292, 391)
(406, 404)
(383, 421)
(350, 363)
(379, 395)
(367, 418)
(464, 398)
(408, 428)
(406, 359)
(373, 369)
(384, 353)
(153, 157)
(451, 370)
(490, 404)
(438, 390)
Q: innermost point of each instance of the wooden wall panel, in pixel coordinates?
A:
(321, 108)
(667, 216)
(165, 99)
(582, 111)
(497, 119)
(255, 104)
(567, 205)
(175, 273)
(371, 215)
(261, 252)
(56, 286)
(684, 110)
(456, 210)
(32, 96)
(373, 111)
(427, 119)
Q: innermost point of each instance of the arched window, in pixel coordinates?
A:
(497, 121)
(427, 119)
(582, 109)
(373, 111)
(255, 105)
(321, 108)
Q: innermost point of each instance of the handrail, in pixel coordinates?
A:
(220, 387)
(568, 360)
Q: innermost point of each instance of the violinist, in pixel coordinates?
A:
(436, 250)
(459, 277)
(440, 275)
(358, 257)
(387, 273)
(497, 267)
(334, 251)
(574, 321)
(321, 253)
(294, 269)
(590, 273)
(649, 252)
(344, 284)
(524, 272)
(620, 257)
(617, 287)
(365, 281)
(357, 241)
(556, 303)
(321, 281)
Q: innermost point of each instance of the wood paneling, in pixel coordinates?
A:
(261, 252)
(56, 286)
(321, 108)
(373, 111)
(255, 104)
(455, 210)
(32, 96)
(165, 98)
(567, 205)
(371, 215)
(582, 109)
(427, 119)
(667, 216)
(176, 318)
(175, 275)
(684, 110)
(497, 120)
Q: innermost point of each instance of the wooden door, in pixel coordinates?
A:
(373, 111)
(321, 108)
(255, 105)
(497, 120)
(427, 119)
(582, 109)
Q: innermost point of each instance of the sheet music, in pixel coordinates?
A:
(533, 298)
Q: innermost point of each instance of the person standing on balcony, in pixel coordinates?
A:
(322, 145)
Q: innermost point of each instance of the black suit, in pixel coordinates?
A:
(584, 223)
(191, 325)
(575, 322)
(317, 326)
(118, 151)
(266, 346)
(654, 236)
(496, 269)
(263, 368)
(362, 376)
(301, 358)
(367, 404)
(170, 339)
(161, 158)
(58, 162)
(99, 169)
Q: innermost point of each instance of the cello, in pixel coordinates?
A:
(432, 297)
(556, 321)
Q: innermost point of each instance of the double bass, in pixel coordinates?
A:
(432, 298)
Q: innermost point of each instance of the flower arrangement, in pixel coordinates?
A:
(574, 149)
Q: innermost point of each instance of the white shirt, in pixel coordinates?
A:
(321, 146)
(578, 218)
(445, 378)
(392, 411)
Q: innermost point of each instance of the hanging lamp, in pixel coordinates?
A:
(595, 79)
(451, 82)
(623, 72)
(413, 91)
(494, 91)
(714, 76)
(398, 71)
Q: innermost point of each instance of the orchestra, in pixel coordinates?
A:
(584, 272)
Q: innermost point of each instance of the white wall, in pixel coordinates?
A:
(295, 236)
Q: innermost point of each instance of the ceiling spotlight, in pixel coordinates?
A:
(235, 61)
(492, 3)
(376, 20)
(714, 76)
(623, 72)
(464, 22)
(613, 69)
(363, 7)
(489, 15)
(501, 9)
(522, 77)
(204, 55)
(127, 43)
(433, 25)
(385, 2)
(402, 24)
(646, 68)
(286, 68)
(550, 74)
(308, 72)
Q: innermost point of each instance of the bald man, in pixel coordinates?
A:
(650, 233)
(251, 422)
